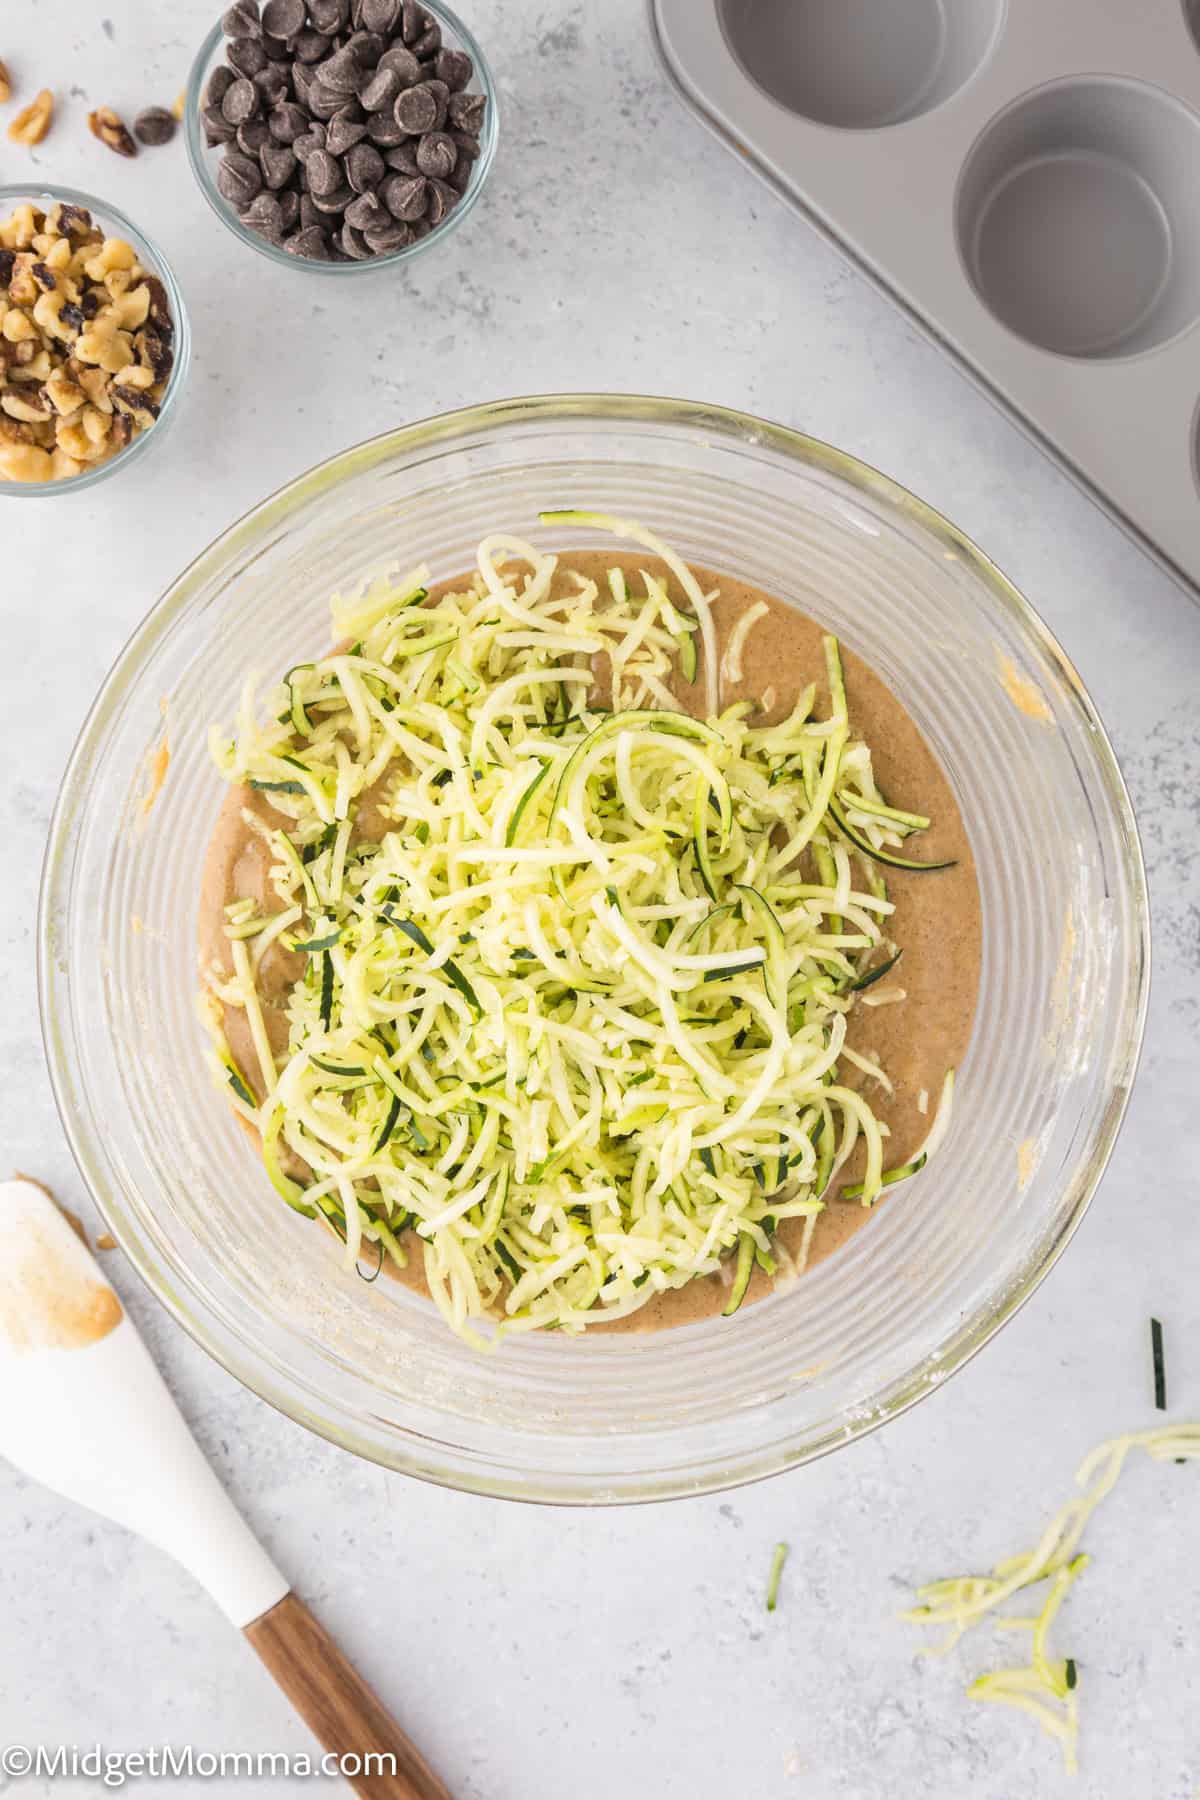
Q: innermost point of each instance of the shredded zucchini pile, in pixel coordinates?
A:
(577, 1018)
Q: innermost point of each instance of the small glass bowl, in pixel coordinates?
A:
(115, 224)
(205, 161)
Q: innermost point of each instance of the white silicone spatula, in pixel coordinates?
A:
(84, 1410)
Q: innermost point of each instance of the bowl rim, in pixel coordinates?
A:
(244, 1361)
(197, 154)
(105, 212)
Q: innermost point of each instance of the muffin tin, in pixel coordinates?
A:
(1023, 179)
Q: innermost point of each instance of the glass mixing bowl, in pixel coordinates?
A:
(926, 1281)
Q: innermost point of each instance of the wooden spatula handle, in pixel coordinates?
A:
(330, 1694)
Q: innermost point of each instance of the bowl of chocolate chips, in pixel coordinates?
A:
(339, 135)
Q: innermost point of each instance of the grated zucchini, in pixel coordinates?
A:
(575, 1018)
(1046, 1688)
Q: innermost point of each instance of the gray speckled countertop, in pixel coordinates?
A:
(540, 1653)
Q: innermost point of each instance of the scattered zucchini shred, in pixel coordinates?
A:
(573, 1017)
(778, 1558)
(1046, 1688)
(1158, 1358)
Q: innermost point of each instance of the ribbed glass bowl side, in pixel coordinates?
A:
(940, 1266)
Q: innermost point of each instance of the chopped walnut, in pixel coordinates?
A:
(111, 129)
(33, 121)
(86, 344)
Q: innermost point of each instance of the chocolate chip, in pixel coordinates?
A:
(241, 20)
(272, 83)
(459, 177)
(334, 202)
(303, 82)
(364, 168)
(404, 63)
(404, 158)
(289, 208)
(246, 55)
(329, 16)
(154, 125)
(405, 196)
(238, 178)
(420, 228)
(383, 130)
(278, 164)
(283, 18)
(312, 46)
(218, 85)
(464, 112)
(339, 73)
(310, 214)
(441, 94)
(287, 122)
(308, 141)
(252, 136)
(241, 102)
(380, 15)
(413, 19)
(265, 215)
(442, 197)
(346, 128)
(379, 90)
(388, 238)
(416, 109)
(437, 154)
(217, 129)
(354, 243)
(311, 242)
(324, 172)
(429, 42)
(454, 67)
(467, 145)
(367, 47)
(276, 48)
(366, 212)
(323, 103)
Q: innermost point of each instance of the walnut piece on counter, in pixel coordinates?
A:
(86, 344)
(112, 130)
(33, 121)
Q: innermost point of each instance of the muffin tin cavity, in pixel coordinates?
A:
(1035, 204)
(1077, 218)
(858, 64)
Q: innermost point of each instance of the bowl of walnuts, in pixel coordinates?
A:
(93, 340)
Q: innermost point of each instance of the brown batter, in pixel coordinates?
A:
(936, 922)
